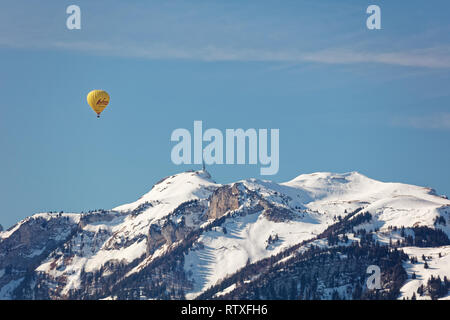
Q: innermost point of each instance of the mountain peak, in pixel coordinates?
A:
(330, 176)
(183, 186)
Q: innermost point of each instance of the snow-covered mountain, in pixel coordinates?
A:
(189, 237)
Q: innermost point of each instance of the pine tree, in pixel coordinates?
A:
(293, 290)
(335, 296)
(420, 290)
(282, 293)
(357, 293)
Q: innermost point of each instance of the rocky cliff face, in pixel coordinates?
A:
(189, 234)
(24, 246)
(223, 200)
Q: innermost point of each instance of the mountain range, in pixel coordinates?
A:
(191, 238)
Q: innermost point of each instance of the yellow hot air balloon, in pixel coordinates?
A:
(98, 100)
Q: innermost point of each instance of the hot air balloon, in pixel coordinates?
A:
(98, 100)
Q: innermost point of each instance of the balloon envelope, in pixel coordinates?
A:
(98, 100)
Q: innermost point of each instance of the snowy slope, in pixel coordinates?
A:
(162, 200)
(438, 260)
(218, 254)
(244, 238)
(314, 200)
(120, 236)
(392, 204)
(173, 190)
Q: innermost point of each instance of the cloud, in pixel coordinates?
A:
(436, 121)
(221, 31)
(437, 57)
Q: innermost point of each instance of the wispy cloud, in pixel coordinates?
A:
(221, 31)
(436, 121)
(437, 57)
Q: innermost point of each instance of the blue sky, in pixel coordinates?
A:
(344, 98)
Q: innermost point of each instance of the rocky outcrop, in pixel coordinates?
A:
(168, 233)
(96, 217)
(223, 199)
(34, 239)
(155, 239)
(276, 213)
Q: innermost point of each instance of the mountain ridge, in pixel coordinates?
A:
(209, 231)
